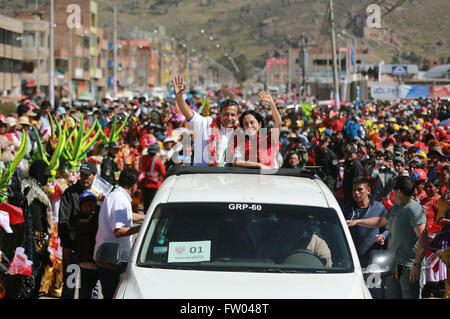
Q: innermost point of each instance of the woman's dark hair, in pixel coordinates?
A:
(405, 184)
(435, 182)
(286, 159)
(128, 178)
(257, 116)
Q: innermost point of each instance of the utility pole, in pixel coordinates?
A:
(69, 85)
(51, 84)
(289, 74)
(335, 70)
(115, 53)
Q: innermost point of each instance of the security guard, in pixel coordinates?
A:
(327, 159)
(110, 171)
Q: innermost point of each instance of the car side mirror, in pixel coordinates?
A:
(109, 256)
(381, 262)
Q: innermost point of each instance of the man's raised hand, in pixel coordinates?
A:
(178, 85)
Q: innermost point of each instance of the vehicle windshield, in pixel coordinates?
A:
(245, 237)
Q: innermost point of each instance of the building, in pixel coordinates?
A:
(11, 55)
(76, 50)
(35, 64)
(318, 70)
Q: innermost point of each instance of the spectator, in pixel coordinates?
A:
(366, 239)
(85, 227)
(70, 208)
(115, 224)
(153, 174)
(408, 240)
(352, 169)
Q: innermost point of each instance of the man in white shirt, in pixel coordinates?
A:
(115, 224)
(228, 119)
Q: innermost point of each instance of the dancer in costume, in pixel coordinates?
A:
(11, 232)
(52, 279)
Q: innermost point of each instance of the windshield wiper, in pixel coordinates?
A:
(277, 270)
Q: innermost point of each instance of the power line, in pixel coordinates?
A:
(398, 4)
(325, 23)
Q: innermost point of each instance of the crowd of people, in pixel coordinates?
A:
(385, 161)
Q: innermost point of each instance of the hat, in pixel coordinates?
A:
(168, 139)
(398, 150)
(419, 175)
(437, 150)
(153, 148)
(292, 135)
(87, 196)
(113, 145)
(351, 149)
(399, 159)
(88, 168)
(371, 144)
(420, 153)
(415, 160)
(24, 120)
(61, 110)
(11, 121)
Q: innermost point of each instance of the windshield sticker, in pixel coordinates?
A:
(160, 250)
(189, 251)
(253, 207)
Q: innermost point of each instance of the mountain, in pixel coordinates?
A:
(254, 30)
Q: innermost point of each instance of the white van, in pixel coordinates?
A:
(221, 233)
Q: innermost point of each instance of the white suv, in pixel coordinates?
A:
(220, 233)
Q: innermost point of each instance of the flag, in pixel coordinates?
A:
(20, 264)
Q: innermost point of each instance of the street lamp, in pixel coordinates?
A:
(115, 45)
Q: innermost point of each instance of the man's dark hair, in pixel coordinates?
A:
(22, 109)
(45, 104)
(405, 184)
(361, 180)
(227, 103)
(128, 177)
(446, 169)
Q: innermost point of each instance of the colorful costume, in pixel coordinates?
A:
(11, 227)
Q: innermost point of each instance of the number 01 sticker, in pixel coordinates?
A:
(189, 251)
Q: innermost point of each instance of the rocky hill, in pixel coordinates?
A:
(253, 30)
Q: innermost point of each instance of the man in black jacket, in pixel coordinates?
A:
(110, 171)
(68, 210)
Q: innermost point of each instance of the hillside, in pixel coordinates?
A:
(259, 29)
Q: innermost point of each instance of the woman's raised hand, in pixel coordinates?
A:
(265, 97)
(178, 85)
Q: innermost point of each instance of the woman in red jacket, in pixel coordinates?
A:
(153, 174)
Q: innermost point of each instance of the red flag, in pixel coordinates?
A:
(20, 264)
(15, 213)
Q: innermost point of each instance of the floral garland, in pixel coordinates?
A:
(214, 138)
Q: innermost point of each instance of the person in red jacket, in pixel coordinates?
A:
(153, 174)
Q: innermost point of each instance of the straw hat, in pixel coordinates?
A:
(24, 120)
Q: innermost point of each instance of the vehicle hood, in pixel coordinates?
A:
(149, 283)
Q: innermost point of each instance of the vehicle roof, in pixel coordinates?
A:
(247, 188)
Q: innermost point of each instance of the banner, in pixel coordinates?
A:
(408, 91)
(384, 91)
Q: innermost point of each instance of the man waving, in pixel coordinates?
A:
(213, 138)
